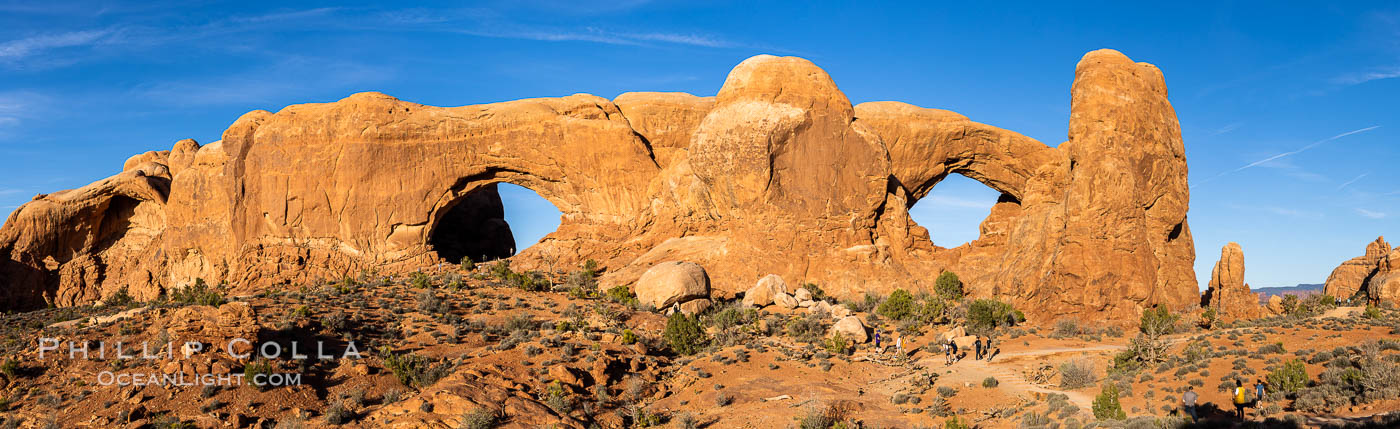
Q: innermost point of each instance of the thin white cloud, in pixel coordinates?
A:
(596, 35)
(1286, 154)
(1349, 182)
(21, 48)
(1370, 214)
(1363, 77)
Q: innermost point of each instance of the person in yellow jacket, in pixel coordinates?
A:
(1239, 399)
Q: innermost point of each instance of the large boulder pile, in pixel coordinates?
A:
(777, 173)
(1227, 292)
(1372, 276)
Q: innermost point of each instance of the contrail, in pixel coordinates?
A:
(1349, 182)
(1289, 153)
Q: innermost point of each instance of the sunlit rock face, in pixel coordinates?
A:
(777, 174)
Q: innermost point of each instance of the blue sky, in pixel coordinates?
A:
(1261, 88)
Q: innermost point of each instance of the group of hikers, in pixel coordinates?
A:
(981, 349)
(1239, 396)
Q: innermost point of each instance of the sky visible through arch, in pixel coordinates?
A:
(1288, 111)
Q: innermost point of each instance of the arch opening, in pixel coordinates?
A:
(955, 208)
(494, 221)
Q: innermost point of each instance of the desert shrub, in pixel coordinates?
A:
(865, 305)
(822, 417)
(419, 280)
(1075, 374)
(622, 295)
(1274, 348)
(955, 423)
(947, 392)
(122, 298)
(684, 334)
(1372, 312)
(985, 315)
(932, 311)
(1106, 405)
(1126, 362)
(480, 418)
(338, 414)
(1155, 323)
(817, 293)
(629, 337)
(1065, 328)
(429, 302)
(1289, 378)
(948, 286)
(413, 369)
(1209, 317)
(255, 368)
(468, 264)
(198, 293)
(9, 367)
(990, 382)
(532, 281)
(1368, 378)
(555, 398)
(501, 269)
(899, 306)
(723, 399)
(940, 407)
(837, 344)
(808, 329)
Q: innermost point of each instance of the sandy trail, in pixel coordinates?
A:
(1006, 368)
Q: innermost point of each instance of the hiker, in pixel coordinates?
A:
(899, 344)
(988, 347)
(1188, 402)
(954, 346)
(877, 343)
(977, 346)
(947, 355)
(1258, 393)
(1239, 399)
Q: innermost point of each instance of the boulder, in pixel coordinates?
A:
(802, 294)
(1384, 289)
(852, 328)
(805, 304)
(694, 306)
(1227, 291)
(1276, 304)
(668, 283)
(784, 301)
(956, 332)
(761, 294)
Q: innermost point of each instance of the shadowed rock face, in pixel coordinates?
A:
(778, 173)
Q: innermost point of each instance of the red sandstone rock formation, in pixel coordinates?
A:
(1358, 275)
(778, 173)
(1227, 291)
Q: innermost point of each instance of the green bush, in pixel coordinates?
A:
(817, 293)
(899, 306)
(990, 382)
(1372, 312)
(985, 315)
(9, 368)
(468, 265)
(120, 299)
(419, 280)
(501, 269)
(837, 344)
(622, 295)
(412, 369)
(1289, 378)
(198, 293)
(955, 423)
(948, 286)
(629, 337)
(1106, 406)
(255, 368)
(932, 310)
(684, 334)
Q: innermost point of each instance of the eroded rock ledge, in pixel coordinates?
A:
(778, 173)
